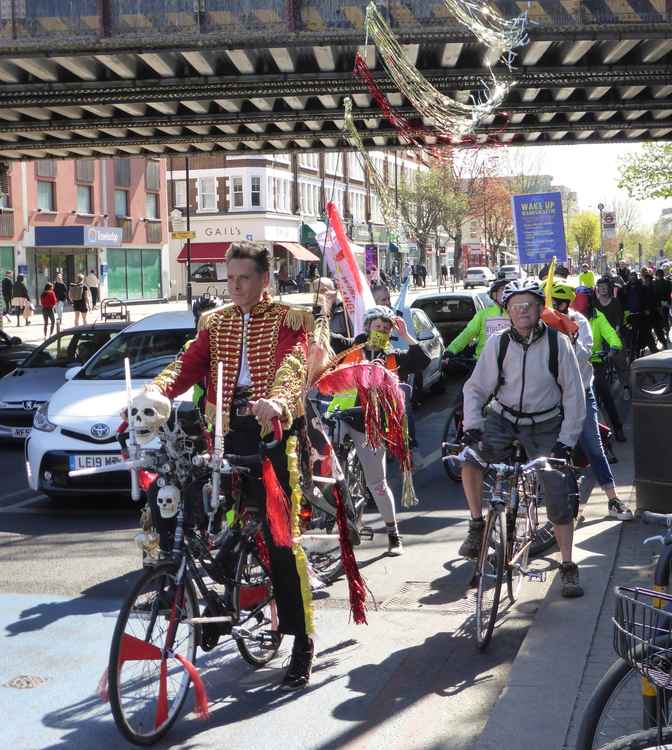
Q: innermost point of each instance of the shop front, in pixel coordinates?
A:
(6, 259)
(134, 273)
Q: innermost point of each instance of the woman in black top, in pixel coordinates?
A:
(20, 300)
(61, 291)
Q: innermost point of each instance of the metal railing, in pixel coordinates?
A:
(22, 20)
(126, 227)
(154, 233)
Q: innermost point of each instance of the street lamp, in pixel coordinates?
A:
(600, 208)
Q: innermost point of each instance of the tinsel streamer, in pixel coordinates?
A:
(391, 217)
(408, 496)
(356, 587)
(450, 116)
(277, 506)
(414, 135)
(201, 703)
(297, 550)
(502, 35)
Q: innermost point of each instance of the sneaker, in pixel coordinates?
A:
(620, 510)
(300, 667)
(619, 435)
(394, 547)
(569, 575)
(471, 546)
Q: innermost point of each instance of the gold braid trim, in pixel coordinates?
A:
(297, 318)
(320, 352)
(297, 549)
(205, 316)
(171, 372)
(288, 385)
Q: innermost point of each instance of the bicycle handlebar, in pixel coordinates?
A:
(657, 519)
(543, 462)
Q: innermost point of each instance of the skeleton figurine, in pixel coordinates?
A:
(168, 499)
(149, 411)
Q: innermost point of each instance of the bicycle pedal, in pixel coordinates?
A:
(539, 576)
(366, 532)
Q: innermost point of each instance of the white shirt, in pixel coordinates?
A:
(583, 347)
(244, 377)
(92, 280)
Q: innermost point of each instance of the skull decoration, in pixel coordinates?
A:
(167, 500)
(149, 410)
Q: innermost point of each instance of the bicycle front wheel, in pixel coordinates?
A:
(147, 683)
(489, 576)
(258, 611)
(646, 739)
(519, 549)
(452, 436)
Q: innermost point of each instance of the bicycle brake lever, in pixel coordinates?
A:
(657, 538)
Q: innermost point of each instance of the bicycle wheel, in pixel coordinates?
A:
(646, 739)
(489, 576)
(452, 434)
(544, 538)
(147, 684)
(253, 598)
(520, 532)
(617, 709)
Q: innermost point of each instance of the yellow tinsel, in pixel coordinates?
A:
(297, 549)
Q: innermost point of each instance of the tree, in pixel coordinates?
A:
(584, 229)
(648, 173)
(493, 209)
(523, 168)
(627, 215)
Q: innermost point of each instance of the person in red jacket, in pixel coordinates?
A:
(48, 302)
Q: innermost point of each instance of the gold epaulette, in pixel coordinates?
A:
(298, 318)
(206, 316)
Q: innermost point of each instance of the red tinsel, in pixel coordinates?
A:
(415, 134)
(103, 688)
(262, 550)
(356, 586)
(277, 506)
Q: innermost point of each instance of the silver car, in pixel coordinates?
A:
(43, 372)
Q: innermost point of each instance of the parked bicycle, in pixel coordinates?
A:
(623, 702)
(511, 523)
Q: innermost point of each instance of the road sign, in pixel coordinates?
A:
(183, 235)
(539, 227)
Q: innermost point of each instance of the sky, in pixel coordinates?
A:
(592, 171)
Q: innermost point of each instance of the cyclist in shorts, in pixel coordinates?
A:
(486, 322)
(530, 403)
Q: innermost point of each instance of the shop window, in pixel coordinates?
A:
(152, 175)
(6, 259)
(238, 200)
(207, 193)
(84, 199)
(85, 170)
(134, 274)
(122, 172)
(152, 206)
(255, 191)
(46, 200)
(180, 187)
(121, 203)
(45, 168)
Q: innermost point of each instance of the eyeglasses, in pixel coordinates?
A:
(521, 306)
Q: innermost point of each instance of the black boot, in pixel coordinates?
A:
(300, 665)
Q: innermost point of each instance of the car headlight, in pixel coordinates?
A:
(41, 419)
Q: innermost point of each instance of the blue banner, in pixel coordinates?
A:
(539, 227)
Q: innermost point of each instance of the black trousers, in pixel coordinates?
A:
(243, 439)
(94, 295)
(603, 394)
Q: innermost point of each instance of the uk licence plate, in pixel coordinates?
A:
(92, 461)
(20, 432)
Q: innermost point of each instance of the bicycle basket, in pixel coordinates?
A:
(643, 632)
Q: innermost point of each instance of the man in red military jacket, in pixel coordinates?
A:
(263, 347)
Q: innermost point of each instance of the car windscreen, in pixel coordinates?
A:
(446, 310)
(148, 351)
(68, 349)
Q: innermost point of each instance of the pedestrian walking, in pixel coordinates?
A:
(93, 284)
(7, 285)
(61, 292)
(21, 304)
(79, 296)
(48, 302)
(422, 274)
(414, 274)
(444, 273)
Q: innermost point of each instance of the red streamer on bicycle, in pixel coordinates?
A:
(102, 690)
(201, 706)
(162, 703)
(356, 586)
(277, 506)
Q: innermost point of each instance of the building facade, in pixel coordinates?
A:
(73, 216)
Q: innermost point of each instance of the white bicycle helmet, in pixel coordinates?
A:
(379, 312)
(522, 287)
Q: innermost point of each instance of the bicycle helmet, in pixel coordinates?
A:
(379, 311)
(522, 287)
(497, 284)
(563, 292)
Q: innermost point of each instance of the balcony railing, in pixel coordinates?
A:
(26, 21)
(153, 231)
(6, 223)
(126, 227)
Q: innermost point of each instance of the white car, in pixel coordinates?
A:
(77, 427)
(478, 276)
(513, 273)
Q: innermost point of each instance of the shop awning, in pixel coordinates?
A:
(205, 252)
(298, 251)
